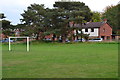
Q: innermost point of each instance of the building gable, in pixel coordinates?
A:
(105, 30)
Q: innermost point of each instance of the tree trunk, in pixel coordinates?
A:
(63, 39)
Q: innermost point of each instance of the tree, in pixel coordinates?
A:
(33, 18)
(7, 28)
(73, 11)
(2, 16)
(19, 26)
(111, 13)
(96, 17)
(118, 15)
(6, 24)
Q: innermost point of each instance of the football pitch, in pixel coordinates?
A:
(57, 60)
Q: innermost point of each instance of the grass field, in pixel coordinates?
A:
(56, 60)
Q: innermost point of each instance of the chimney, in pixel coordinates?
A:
(105, 20)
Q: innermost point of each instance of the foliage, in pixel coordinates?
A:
(76, 12)
(96, 17)
(8, 32)
(118, 15)
(44, 21)
(33, 18)
(6, 24)
(112, 13)
(2, 16)
(7, 27)
(86, 36)
(34, 15)
(20, 26)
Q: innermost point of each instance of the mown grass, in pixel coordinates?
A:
(56, 60)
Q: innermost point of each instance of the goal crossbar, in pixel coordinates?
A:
(19, 37)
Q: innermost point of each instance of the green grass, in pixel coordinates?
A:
(55, 60)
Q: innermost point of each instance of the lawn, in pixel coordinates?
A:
(57, 60)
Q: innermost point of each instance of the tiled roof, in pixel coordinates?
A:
(90, 25)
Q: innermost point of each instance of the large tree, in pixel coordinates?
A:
(33, 18)
(76, 12)
(111, 13)
(6, 24)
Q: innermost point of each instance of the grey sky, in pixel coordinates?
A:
(13, 8)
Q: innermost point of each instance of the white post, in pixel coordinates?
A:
(27, 43)
(9, 45)
(19, 37)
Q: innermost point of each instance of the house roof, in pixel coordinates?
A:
(90, 25)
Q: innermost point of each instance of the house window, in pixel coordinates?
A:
(104, 30)
(86, 30)
(92, 29)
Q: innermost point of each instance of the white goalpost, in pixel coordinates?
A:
(19, 37)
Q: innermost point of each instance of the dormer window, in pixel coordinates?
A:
(103, 29)
(86, 30)
(92, 29)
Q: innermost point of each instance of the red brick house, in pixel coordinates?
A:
(96, 30)
(105, 31)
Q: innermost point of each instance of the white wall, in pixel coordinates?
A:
(95, 33)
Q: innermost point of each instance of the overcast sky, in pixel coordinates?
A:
(13, 8)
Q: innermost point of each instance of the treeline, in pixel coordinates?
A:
(44, 21)
(112, 14)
